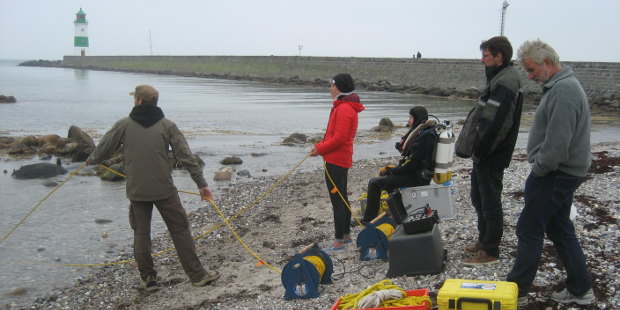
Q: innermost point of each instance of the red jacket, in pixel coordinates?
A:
(337, 145)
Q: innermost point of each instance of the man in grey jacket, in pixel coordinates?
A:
(145, 137)
(558, 149)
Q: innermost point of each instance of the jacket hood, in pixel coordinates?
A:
(145, 115)
(352, 100)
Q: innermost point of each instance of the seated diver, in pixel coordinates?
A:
(414, 169)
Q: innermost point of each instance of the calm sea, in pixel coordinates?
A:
(220, 118)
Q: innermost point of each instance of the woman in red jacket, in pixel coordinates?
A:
(337, 151)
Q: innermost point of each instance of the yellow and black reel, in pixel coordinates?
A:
(302, 275)
(373, 240)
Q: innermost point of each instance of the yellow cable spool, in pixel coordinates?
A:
(387, 229)
(318, 263)
(373, 240)
(302, 275)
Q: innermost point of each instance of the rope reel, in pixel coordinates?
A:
(373, 240)
(302, 275)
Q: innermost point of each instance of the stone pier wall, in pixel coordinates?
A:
(443, 77)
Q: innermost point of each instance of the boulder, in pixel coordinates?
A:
(107, 175)
(81, 153)
(234, 160)
(244, 173)
(385, 125)
(21, 149)
(52, 139)
(7, 99)
(79, 136)
(38, 171)
(29, 141)
(224, 174)
(295, 139)
(6, 142)
(381, 128)
(47, 150)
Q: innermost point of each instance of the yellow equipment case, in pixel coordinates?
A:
(477, 295)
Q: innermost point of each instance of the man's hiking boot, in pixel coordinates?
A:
(473, 248)
(211, 276)
(481, 259)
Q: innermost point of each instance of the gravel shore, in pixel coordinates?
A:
(297, 212)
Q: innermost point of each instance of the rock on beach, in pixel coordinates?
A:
(38, 171)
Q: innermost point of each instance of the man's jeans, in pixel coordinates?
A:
(548, 201)
(486, 196)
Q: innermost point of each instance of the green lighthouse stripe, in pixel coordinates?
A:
(80, 41)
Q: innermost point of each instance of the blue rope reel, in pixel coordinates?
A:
(373, 240)
(302, 275)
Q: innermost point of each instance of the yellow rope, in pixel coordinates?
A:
(219, 212)
(318, 262)
(112, 170)
(350, 301)
(339, 193)
(40, 202)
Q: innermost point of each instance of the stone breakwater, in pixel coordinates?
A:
(463, 78)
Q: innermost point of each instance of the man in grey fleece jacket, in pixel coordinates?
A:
(145, 138)
(559, 151)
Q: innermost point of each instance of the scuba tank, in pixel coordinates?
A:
(444, 155)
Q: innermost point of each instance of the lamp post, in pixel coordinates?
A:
(504, 7)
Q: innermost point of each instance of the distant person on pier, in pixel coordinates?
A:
(418, 55)
(336, 148)
(145, 138)
(488, 137)
(558, 148)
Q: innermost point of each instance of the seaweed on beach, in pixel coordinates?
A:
(603, 163)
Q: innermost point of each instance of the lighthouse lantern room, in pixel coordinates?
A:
(80, 41)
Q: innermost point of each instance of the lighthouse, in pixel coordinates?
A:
(80, 40)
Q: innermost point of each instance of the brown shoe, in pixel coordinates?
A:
(473, 248)
(480, 259)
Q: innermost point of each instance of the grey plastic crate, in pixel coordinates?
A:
(440, 197)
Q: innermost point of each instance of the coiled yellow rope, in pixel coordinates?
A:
(387, 229)
(351, 301)
(318, 262)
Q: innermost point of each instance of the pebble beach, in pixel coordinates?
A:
(278, 216)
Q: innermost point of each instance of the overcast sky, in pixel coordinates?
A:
(579, 30)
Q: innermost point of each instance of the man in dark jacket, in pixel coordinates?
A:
(415, 146)
(145, 138)
(491, 132)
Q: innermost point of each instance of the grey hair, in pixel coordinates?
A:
(538, 51)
